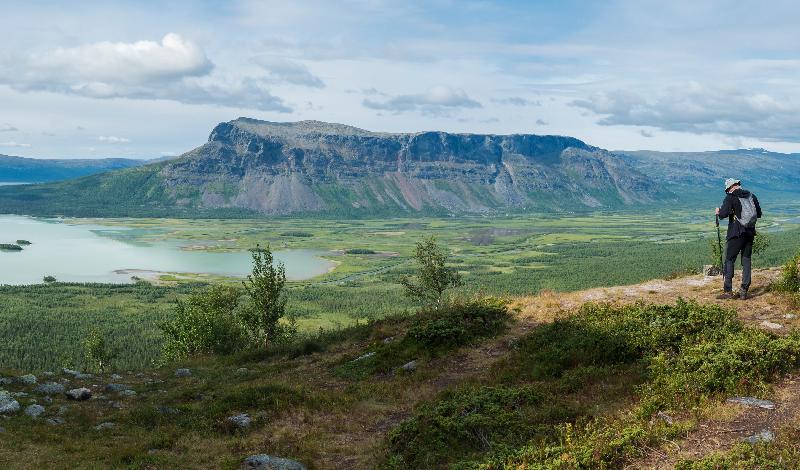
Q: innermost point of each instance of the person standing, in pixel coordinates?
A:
(742, 209)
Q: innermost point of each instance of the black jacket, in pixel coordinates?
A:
(731, 206)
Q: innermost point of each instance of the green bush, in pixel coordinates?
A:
(458, 322)
(359, 251)
(206, 322)
(297, 234)
(472, 421)
(790, 277)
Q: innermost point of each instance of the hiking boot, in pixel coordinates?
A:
(727, 295)
(743, 294)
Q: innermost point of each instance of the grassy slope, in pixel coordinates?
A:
(311, 403)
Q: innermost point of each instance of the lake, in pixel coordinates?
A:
(87, 253)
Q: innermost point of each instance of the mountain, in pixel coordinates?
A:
(698, 176)
(39, 170)
(250, 167)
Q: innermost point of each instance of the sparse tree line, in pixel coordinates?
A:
(222, 319)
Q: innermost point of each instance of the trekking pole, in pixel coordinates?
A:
(719, 242)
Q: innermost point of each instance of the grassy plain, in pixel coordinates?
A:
(43, 326)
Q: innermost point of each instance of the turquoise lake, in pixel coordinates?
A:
(88, 253)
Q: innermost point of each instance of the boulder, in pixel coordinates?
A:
(5, 381)
(362, 357)
(764, 436)
(116, 377)
(750, 401)
(50, 388)
(409, 366)
(7, 403)
(116, 388)
(84, 376)
(127, 393)
(711, 270)
(105, 426)
(34, 410)
(268, 462)
(70, 372)
(27, 379)
(183, 373)
(771, 325)
(79, 394)
(241, 421)
(55, 421)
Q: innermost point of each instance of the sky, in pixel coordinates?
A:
(145, 79)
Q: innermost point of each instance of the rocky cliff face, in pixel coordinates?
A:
(311, 166)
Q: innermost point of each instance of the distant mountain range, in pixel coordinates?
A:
(40, 170)
(255, 168)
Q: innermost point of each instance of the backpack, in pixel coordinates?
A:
(749, 215)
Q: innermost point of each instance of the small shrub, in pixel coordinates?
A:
(790, 277)
(359, 251)
(98, 354)
(458, 322)
(297, 234)
(49, 279)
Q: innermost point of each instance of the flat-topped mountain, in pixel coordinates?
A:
(311, 167)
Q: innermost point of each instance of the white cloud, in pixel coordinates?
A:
(699, 109)
(288, 71)
(174, 69)
(111, 139)
(436, 101)
(14, 144)
(7, 128)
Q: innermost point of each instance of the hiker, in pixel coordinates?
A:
(741, 208)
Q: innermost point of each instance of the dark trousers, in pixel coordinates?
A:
(736, 245)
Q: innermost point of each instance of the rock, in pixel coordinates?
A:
(241, 421)
(2, 430)
(79, 394)
(5, 381)
(63, 409)
(771, 325)
(104, 426)
(365, 356)
(20, 394)
(268, 462)
(116, 377)
(127, 393)
(243, 370)
(764, 436)
(84, 376)
(7, 404)
(48, 374)
(140, 374)
(183, 373)
(409, 366)
(34, 411)
(116, 388)
(665, 417)
(54, 421)
(790, 316)
(750, 401)
(115, 404)
(47, 400)
(711, 270)
(50, 388)
(70, 372)
(167, 410)
(388, 340)
(28, 379)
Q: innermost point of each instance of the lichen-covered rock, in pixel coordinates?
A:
(50, 388)
(268, 462)
(105, 426)
(183, 373)
(34, 410)
(116, 388)
(79, 394)
(240, 421)
(27, 379)
(7, 404)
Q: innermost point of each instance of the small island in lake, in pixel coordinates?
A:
(10, 247)
(23, 242)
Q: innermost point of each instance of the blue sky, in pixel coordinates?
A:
(145, 79)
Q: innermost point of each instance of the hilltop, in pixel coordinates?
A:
(360, 398)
